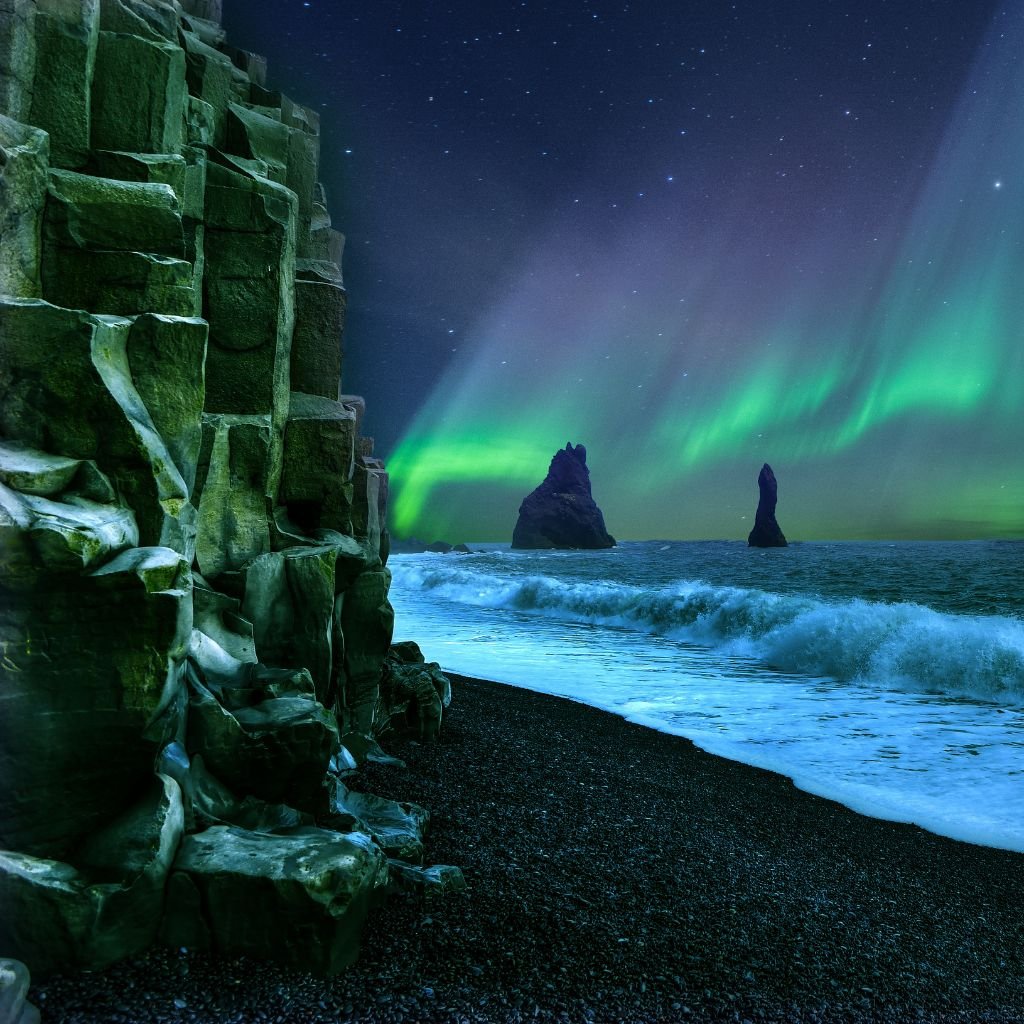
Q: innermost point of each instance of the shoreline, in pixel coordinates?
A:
(618, 873)
(805, 784)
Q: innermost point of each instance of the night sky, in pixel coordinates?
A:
(695, 237)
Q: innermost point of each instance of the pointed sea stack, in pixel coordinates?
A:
(561, 513)
(766, 532)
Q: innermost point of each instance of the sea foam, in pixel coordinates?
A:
(900, 645)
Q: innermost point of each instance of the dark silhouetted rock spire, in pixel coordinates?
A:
(766, 532)
(561, 513)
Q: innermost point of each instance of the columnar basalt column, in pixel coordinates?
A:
(194, 611)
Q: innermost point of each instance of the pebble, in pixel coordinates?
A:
(659, 859)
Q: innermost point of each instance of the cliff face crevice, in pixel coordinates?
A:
(194, 614)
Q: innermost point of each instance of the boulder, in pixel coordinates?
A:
(166, 355)
(87, 212)
(359, 748)
(14, 982)
(150, 168)
(212, 803)
(34, 472)
(120, 283)
(276, 750)
(239, 683)
(107, 905)
(219, 618)
(290, 599)
(211, 81)
(208, 29)
(200, 122)
(253, 65)
(68, 388)
(322, 242)
(209, 9)
(42, 537)
(561, 512)
(370, 502)
(301, 172)
(194, 200)
(398, 828)
(295, 115)
(437, 880)
(93, 677)
(414, 692)
(116, 247)
(766, 532)
(300, 897)
(252, 134)
(185, 174)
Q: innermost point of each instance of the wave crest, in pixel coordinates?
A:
(907, 645)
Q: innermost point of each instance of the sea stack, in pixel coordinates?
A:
(766, 532)
(561, 512)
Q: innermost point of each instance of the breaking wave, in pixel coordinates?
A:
(894, 645)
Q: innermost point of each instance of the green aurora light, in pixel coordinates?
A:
(886, 387)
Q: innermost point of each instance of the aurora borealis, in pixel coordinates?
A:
(694, 242)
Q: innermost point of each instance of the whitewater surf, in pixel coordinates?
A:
(889, 677)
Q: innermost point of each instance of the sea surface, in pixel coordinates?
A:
(886, 676)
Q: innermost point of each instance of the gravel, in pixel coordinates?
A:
(619, 874)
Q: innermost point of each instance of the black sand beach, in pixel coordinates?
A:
(618, 874)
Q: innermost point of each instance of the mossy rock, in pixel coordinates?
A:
(24, 156)
(60, 916)
(299, 898)
(92, 667)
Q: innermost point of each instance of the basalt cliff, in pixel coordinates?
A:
(194, 619)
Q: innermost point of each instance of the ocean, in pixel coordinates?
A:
(886, 676)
